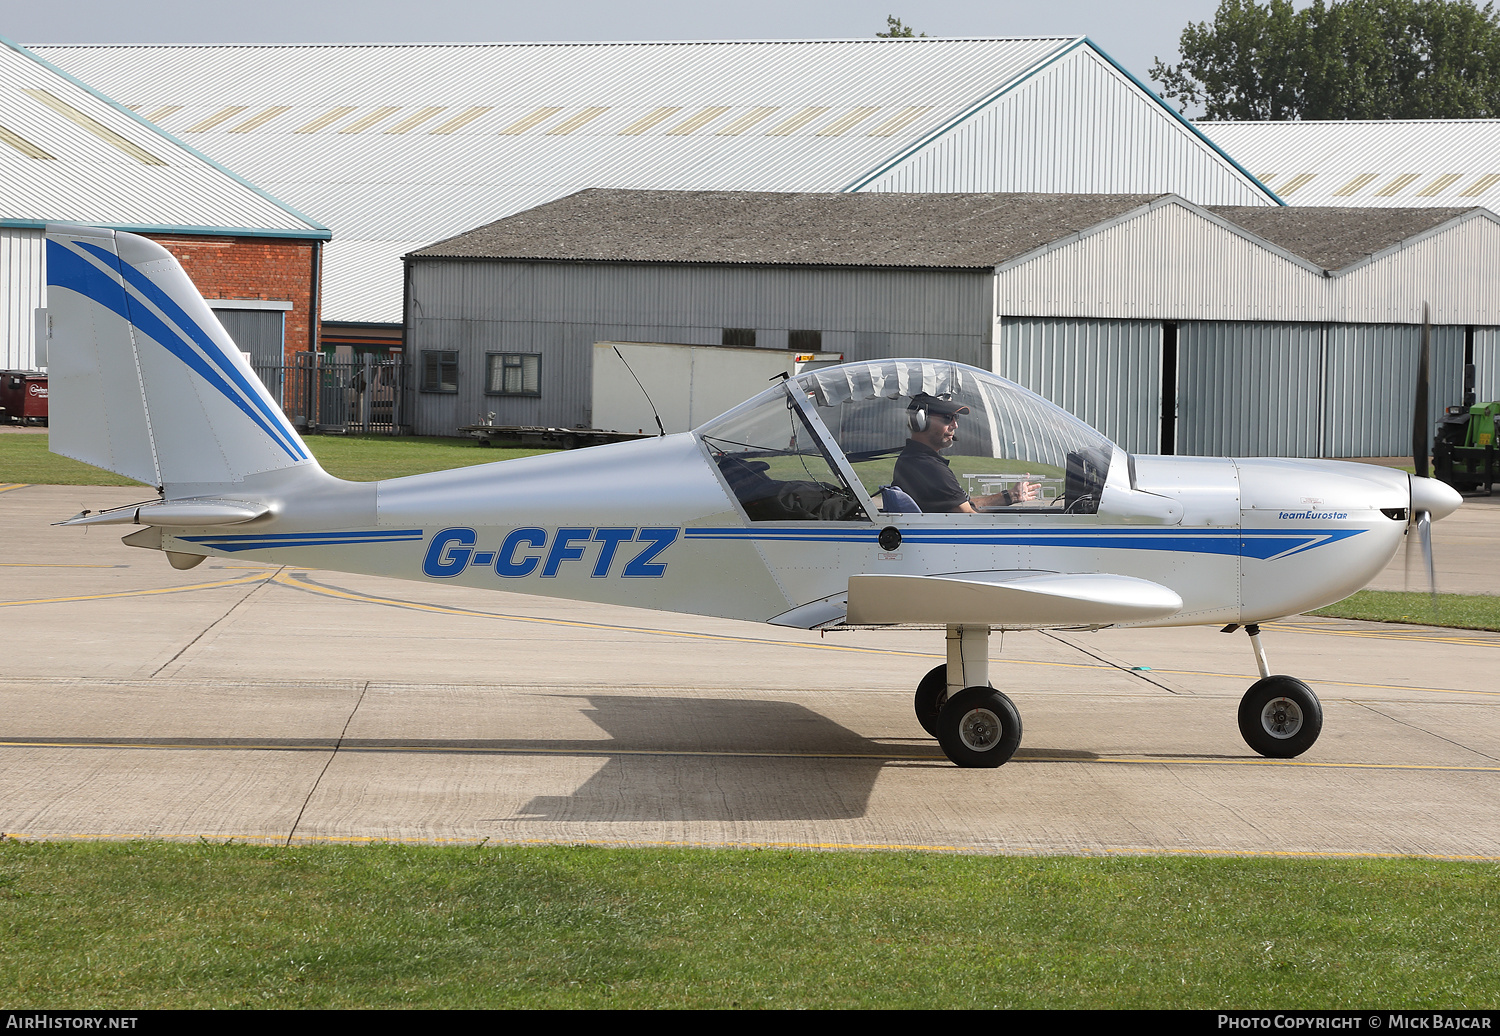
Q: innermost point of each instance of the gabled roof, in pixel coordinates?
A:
(946, 231)
(930, 231)
(69, 154)
(1393, 163)
(1334, 238)
(398, 146)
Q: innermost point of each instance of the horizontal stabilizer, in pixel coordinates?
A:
(175, 514)
(1007, 599)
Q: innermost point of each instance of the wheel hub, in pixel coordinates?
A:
(1281, 718)
(980, 730)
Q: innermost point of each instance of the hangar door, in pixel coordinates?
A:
(1370, 379)
(1487, 364)
(1249, 389)
(1307, 390)
(1104, 372)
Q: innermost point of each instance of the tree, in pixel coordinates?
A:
(894, 30)
(1348, 59)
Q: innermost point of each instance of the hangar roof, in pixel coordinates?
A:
(1334, 237)
(942, 231)
(69, 154)
(397, 146)
(951, 231)
(1391, 163)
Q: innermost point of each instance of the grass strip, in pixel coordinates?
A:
(154, 924)
(1460, 611)
(360, 458)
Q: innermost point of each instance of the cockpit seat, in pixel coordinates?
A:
(766, 499)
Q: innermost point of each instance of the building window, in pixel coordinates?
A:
(805, 341)
(439, 370)
(513, 374)
(744, 337)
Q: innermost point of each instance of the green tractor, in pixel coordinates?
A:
(1464, 451)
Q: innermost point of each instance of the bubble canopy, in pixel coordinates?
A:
(828, 443)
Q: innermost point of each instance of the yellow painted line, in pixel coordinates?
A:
(44, 564)
(1252, 677)
(605, 750)
(6, 487)
(587, 753)
(1477, 638)
(645, 843)
(233, 581)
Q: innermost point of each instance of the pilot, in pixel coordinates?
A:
(923, 472)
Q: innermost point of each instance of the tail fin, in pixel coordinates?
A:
(143, 380)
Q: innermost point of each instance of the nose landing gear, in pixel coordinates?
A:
(1280, 717)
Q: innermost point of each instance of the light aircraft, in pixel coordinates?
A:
(777, 511)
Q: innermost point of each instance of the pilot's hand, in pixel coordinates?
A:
(1025, 491)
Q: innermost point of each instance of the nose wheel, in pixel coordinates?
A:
(1280, 716)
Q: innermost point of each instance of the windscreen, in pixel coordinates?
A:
(776, 467)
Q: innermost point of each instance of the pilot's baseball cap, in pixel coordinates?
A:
(936, 404)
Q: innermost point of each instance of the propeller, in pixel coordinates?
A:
(1427, 494)
(1420, 448)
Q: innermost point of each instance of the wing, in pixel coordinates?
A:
(1008, 599)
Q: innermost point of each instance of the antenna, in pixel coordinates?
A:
(652, 405)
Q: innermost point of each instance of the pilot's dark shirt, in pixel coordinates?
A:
(924, 474)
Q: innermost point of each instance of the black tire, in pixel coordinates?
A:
(979, 727)
(931, 693)
(1280, 717)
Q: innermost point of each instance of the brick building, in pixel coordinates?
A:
(248, 281)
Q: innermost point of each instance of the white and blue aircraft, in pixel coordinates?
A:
(781, 511)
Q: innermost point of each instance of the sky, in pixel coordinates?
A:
(1134, 34)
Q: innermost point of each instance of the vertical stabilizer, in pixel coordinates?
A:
(143, 379)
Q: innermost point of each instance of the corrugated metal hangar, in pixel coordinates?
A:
(395, 147)
(1386, 163)
(1170, 326)
(70, 155)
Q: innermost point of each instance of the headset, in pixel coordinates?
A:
(917, 418)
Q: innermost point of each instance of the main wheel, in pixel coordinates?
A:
(979, 726)
(1280, 717)
(931, 693)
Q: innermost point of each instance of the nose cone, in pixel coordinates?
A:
(1436, 498)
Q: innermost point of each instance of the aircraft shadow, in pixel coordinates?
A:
(682, 759)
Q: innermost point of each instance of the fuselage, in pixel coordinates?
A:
(653, 524)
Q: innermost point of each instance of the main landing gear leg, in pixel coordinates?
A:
(975, 724)
(1280, 716)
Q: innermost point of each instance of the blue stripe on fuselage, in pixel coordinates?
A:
(234, 542)
(1262, 544)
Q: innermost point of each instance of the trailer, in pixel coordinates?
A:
(642, 389)
(23, 397)
(489, 434)
(635, 383)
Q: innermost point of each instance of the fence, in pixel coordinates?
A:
(322, 394)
